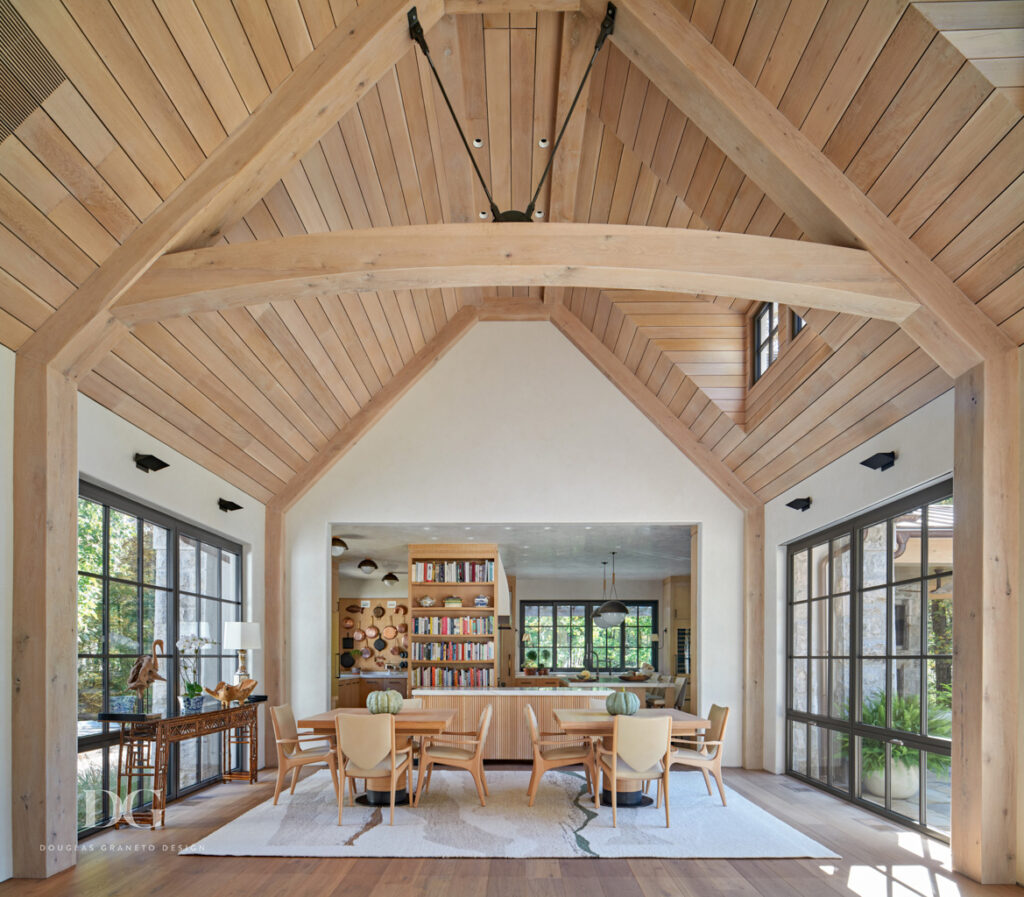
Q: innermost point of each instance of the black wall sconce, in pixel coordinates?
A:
(880, 461)
(149, 463)
(799, 504)
(226, 505)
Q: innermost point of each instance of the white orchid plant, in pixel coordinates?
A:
(189, 647)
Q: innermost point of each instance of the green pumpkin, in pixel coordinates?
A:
(389, 701)
(622, 703)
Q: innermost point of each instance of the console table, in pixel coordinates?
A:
(145, 742)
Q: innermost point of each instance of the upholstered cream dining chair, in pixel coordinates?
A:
(552, 752)
(291, 755)
(639, 752)
(366, 745)
(462, 750)
(704, 752)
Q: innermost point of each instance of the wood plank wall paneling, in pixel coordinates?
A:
(907, 100)
(509, 737)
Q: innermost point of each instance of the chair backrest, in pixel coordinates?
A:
(365, 739)
(719, 716)
(285, 730)
(531, 721)
(641, 741)
(412, 704)
(597, 704)
(483, 728)
(681, 684)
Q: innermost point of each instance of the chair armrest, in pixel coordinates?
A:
(576, 743)
(312, 736)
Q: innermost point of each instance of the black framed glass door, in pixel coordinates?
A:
(870, 659)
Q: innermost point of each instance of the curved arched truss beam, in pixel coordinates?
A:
(462, 255)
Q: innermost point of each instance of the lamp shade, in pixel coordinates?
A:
(242, 635)
(610, 614)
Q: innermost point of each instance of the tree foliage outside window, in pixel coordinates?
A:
(567, 630)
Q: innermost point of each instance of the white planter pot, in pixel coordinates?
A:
(904, 782)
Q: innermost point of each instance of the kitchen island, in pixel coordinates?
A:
(509, 738)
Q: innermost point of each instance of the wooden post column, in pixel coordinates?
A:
(275, 626)
(986, 580)
(44, 743)
(753, 638)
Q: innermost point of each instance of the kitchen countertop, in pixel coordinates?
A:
(558, 692)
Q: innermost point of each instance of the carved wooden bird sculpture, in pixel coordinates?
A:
(146, 671)
(227, 693)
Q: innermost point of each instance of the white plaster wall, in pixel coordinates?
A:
(6, 599)
(923, 442)
(106, 445)
(549, 440)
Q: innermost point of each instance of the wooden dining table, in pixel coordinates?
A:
(408, 722)
(599, 724)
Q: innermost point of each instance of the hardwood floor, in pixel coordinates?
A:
(878, 858)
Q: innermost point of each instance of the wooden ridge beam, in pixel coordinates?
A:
(459, 255)
(770, 150)
(653, 408)
(325, 85)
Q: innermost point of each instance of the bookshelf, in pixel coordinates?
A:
(453, 641)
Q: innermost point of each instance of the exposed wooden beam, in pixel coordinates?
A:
(753, 638)
(459, 255)
(651, 407)
(380, 403)
(796, 175)
(986, 578)
(324, 86)
(458, 7)
(45, 682)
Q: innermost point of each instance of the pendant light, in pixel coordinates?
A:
(367, 566)
(612, 612)
(338, 547)
(416, 33)
(389, 579)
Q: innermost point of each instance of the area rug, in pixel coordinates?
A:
(449, 822)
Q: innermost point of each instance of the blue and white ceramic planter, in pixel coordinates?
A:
(191, 705)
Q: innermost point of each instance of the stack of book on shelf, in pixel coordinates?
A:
(453, 571)
(453, 625)
(442, 677)
(462, 651)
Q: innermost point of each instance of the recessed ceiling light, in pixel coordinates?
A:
(588, 527)
(508, 527)
(547, 529)
(467, 528)
(426, 528)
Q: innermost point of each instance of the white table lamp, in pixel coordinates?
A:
(242, 637)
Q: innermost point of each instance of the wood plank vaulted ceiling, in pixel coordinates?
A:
(108, 105)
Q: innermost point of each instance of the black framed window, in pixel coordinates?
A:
(563, 637)
(144, 576)
(766, 337)
(869, 678)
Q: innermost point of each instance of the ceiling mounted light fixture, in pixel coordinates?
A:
(389, 579)
(612, 612)
(338, 547)
(367, 566)
(226, 504)
(799, 504)
(416, 33)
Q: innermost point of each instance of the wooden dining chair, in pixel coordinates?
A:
(678, 695)
(461, 750)
(704, 752)
(291, 755)
(553, 752)
(640, 749)
(367, 748)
